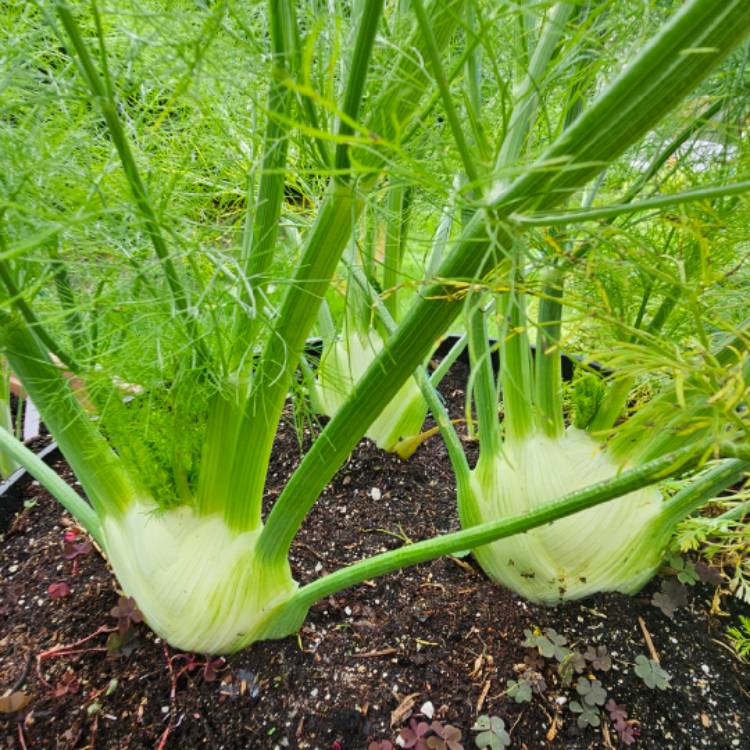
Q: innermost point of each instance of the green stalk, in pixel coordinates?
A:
(476, 536)
(547, 366)
(563, 218)
(257, 428)
(355, 84)
(452, 75)
(225, 414)
(516, 375)
(394, 245)
(695, 39)
(271, 191)
(443, 86)
(20, 304)
(54, 484)
(215, 491)
(692, 497)
(660, 76)
(93, 461)
(7, 463)
(340, 207)
(405, 350)
(485, 394)
(428, 386)
(527, 97)
(308, 106)
(473, 73)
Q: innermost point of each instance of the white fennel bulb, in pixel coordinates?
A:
(342, 365)
(615, 546)
(198, 584)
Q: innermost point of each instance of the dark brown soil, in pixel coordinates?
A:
(440, 633)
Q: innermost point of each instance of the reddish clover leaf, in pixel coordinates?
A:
(616, 712)
(628, 734)
(68, 684)
(599, 658)
(627, 730)
(380, 745)
(415, 735)
(75, 545)
(708, 574)
(446, 737)
(672, 596)
(58, 590)
(71, 551)
(212, 667)
(127, 614)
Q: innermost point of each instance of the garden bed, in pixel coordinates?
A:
(439, 638)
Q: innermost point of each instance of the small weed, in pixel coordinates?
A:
(651, 673)
(627, 729)
(492, 733)
(550, 644)
(671, 597)
(740, 637)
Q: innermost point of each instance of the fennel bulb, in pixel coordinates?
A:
(615, 546)
(342, 365)
(198, 584)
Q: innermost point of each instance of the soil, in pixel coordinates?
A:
(438, 638)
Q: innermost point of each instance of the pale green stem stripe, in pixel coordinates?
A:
(54, 484)
(394, 244)
(516, 375)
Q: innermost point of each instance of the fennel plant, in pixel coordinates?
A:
(184, 364)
